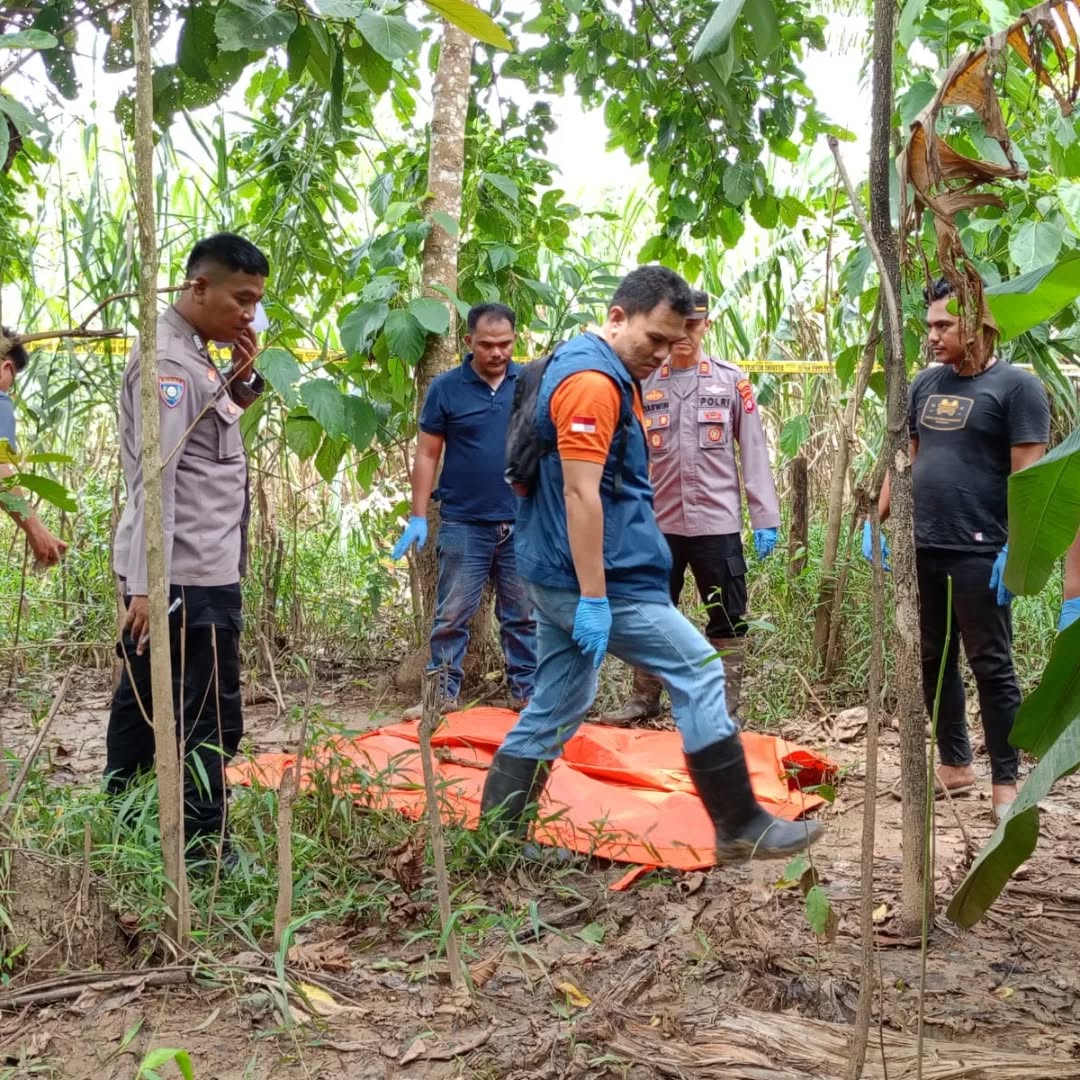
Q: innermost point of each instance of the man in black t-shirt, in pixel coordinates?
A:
(970, 429)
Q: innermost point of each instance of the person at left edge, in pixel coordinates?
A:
(205, 506)
(465, 414)
(48, 550)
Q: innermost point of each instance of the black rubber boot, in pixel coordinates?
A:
(744, 830)
(513, 784)
(731, 656)
(644, 704)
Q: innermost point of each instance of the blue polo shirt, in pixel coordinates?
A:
(7, 420)
(472, 418)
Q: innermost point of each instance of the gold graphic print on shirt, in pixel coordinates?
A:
(945, 412)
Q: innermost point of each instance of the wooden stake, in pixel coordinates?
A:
(799, 535)
(861, 1036)
(429, 721)
(168, 761)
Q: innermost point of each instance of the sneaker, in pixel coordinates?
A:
(416, 712)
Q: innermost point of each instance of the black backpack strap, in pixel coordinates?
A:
(626, 418)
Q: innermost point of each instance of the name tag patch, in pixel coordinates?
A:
(171, 390)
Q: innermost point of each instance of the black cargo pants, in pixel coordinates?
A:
(719, 570)
(986, 631)
(204, 635)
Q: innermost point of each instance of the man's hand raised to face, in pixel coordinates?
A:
(244, 351)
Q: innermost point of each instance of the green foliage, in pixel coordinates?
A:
(1044, 516)
(1015, 838)
(1022, 303)
(701, 96)
(149, 1066)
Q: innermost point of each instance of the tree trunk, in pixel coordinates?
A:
(831, 592)
(167, 755)
(799, 534)
(446, 174)
(907, 669)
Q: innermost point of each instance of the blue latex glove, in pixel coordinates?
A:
(868, 546)
(415, 532)
(997, 578)
(764, 542)
(592, 625)
(1070, 612)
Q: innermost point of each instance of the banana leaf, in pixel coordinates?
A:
(1023, 302)
(1044, 516)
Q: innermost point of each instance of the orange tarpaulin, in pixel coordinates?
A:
(616, 793)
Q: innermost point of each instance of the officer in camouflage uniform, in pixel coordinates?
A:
(697, 407)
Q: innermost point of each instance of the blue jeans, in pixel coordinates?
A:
(654, 637)
(470, 554)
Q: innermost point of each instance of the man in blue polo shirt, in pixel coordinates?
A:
(466, 411)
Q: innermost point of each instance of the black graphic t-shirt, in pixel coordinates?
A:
(966, 426)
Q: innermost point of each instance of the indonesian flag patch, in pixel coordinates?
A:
(583, 425)
(171, 390)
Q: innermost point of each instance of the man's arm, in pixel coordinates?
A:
(1072, 570)
(585, 524)
(48, 549)
(175, 423)
(756, 468)
(1025, 454)
(585, 410)
(885, 498)
(429, 450)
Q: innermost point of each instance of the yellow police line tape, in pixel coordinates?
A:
(310, 356)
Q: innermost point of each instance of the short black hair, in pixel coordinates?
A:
(702, 303)
(498, 312)
(230, 252)
(937, 290)
(16, 354)
(647, 286)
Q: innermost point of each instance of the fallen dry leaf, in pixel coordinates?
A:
(881, 913)
(320, 956)
(1003, 992)
(406, 862)
(576, 998)
(322, 1004)
(422, 1048)
(480, 973)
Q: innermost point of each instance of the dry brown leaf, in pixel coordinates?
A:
(881, 913)
(1003, 992)
(320, 956)
(406, 862)
(481, 972)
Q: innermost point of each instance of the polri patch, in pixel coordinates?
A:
(171, 390)
(746, 392)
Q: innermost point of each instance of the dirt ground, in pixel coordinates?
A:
(699, 975)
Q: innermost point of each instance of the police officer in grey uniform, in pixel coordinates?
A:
(205, 505)
(697, 407)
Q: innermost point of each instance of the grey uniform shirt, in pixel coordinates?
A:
(204, 482)
(693, 419)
